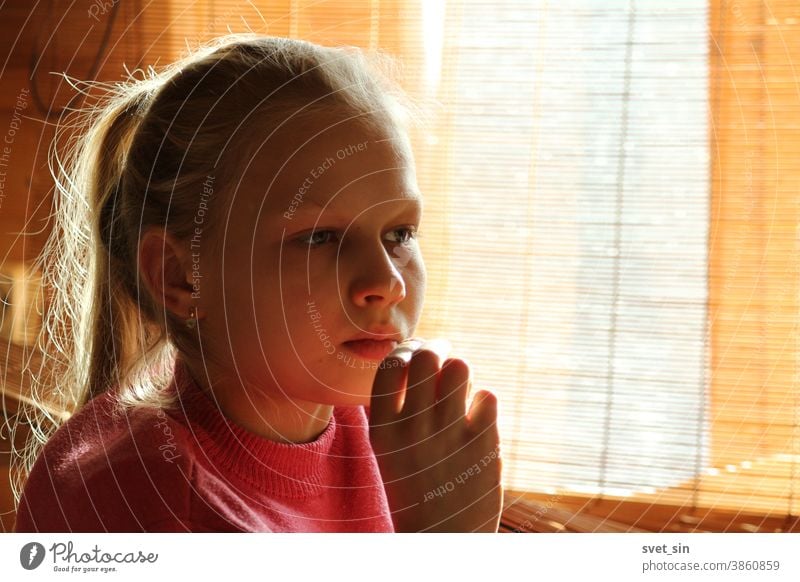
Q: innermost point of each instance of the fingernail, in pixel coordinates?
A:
(412, 343)
(405, 349)
(440, 346)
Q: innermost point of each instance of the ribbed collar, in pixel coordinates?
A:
(278, 469)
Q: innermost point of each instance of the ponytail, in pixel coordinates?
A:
(91, 327)
(116, 325)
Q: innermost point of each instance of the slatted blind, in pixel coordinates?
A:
(610, 228)
(574, 235)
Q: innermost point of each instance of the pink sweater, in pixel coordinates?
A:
(191, 469)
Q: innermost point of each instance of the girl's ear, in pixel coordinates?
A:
(165, 270)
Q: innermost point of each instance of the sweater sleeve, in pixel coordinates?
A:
(123, 497)
(85, 483)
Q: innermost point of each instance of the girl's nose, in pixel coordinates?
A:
(378, 279)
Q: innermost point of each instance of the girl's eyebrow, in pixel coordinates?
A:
(299, 206)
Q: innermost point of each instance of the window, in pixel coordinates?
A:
(573, 234)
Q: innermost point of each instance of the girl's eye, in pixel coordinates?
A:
(318, 238)
(404, 235)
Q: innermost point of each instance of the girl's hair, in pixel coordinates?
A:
(151, 144)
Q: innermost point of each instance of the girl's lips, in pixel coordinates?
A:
(371, 349)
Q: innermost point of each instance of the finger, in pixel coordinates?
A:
(387, 391)
(452, 391)
(441, 346)
(482, 411)
(421, 389)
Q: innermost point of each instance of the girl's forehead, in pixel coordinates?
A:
(340, 164)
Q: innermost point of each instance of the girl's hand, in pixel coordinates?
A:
(440, 466)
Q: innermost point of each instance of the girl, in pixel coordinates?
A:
(234, 258)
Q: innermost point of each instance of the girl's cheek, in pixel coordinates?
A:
(417, 276)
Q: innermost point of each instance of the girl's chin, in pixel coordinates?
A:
(355, 396)
(344, 385)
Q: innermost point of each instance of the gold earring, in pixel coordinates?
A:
(191, 323)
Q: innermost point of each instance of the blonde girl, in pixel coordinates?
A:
(233, 267)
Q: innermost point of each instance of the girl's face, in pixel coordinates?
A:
(320, 273)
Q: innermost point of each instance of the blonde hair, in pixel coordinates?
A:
(150, 144)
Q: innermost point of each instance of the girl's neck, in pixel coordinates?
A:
(271, 416)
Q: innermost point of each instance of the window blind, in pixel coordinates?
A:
(574, 236)
(639, 319)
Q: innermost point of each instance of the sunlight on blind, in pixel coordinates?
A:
(574, 235)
